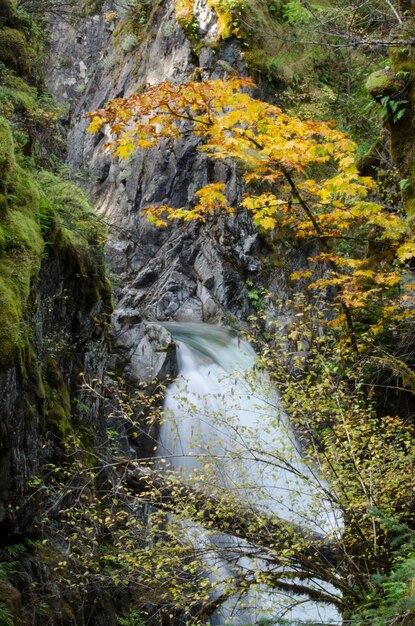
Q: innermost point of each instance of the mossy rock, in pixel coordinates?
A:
(50, 554)
(7, 160)
(70, 207)
(21, 248)
(7, 10)
(34, 376)
(21, 245)
(58, 402)
(68, 616)
(12, 100)
(10, 600)
(15, 283)
(3, 209)
(57, 421)
(14, 51)
(74, 231)
(383, 83)
(53, 373)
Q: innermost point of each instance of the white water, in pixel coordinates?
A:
(223, 429)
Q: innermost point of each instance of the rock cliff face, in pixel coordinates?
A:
(68, 312)
(42, 405)
(181, 273)
(55, 304)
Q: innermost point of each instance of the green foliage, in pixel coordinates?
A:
(7, 568)
(66, 204)
(257, 297)
(6, 616)
(133, 618)
(134, 16)
(392, 600)
(294, 12)
(16, 550)
(281, 44)
(22, 91)
(395, 109)
(57, 401)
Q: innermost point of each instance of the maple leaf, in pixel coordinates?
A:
(406, 251)
(95, 124)
(124, 150)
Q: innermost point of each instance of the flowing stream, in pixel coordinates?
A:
(223, 427)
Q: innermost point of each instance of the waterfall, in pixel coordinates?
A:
(224, 426)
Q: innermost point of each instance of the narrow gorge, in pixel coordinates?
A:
(211, 420)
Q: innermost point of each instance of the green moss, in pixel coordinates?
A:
(57, 401)
(49, 554)
(9, 595)
(53, 373)
(7, 10)
(10, 313)
(403, 60)
(21, 248)
(21, 245)
(24, 233)
(77, 230)
(15, 281)
(383, 82)
(12, 100)
(87, 439)
(71, 208)
(3, 208)
(7, 160)
(403, 131)
(57, 420)
(68, 616)
(58, 411)
(60, 209)
(14, 51)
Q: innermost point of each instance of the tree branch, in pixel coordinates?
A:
(313, 550)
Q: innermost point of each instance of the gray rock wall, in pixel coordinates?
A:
(192, 272)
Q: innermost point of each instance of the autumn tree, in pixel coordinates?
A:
(301, 176)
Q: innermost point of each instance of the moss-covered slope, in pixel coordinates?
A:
(21, 245)
(55, 302)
